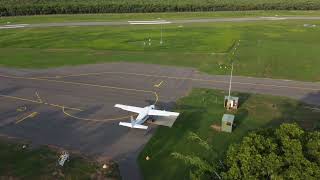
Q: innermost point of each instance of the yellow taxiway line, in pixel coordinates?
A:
(64, 110)
(33, 101)
(21, 109)
(29, 116)
(74, 83)
(186, 78)
(77, 83)
(96, 120)
(39, 99)
(157, 98)
(108, 119)
(158, 85)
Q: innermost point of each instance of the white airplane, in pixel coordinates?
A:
(144, 114)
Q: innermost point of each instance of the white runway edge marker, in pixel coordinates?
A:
(273, 18)
(13, 26)
(149, 22)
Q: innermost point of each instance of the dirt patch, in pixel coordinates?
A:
(216, 127)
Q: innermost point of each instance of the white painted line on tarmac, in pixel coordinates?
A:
(10, 27)
(13, 26)
(149, 22)
(273, 18)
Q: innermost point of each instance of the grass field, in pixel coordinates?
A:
(286, 50)
(42, 163)
(203, 108)
(148, 16)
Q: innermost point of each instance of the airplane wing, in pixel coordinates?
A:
(162, 113)
(129, 108)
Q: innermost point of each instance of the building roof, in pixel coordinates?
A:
(228, 118)
(232, 98)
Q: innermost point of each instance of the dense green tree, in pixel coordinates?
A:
(32, 7)
(313, 146)
(285, 153)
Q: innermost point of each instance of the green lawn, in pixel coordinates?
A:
(203, 108)
(149, 16)
(41, 163)
(286, 50)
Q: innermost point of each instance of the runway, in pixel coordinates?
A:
(72, 107)
(173, 21)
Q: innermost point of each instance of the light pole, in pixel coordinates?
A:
(160, 32)
(230, 81)
(161, 35)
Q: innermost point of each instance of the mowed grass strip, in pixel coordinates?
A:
(189, 38)
(286, 50)
(44, 58)
(204, 108)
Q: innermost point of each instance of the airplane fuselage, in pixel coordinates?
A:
(143, 116)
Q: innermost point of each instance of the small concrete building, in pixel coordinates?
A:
(231, 102)
(227, 123)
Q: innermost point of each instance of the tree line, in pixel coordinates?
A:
(39, 7)
(287, 152)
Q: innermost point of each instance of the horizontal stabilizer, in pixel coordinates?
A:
(138, 126)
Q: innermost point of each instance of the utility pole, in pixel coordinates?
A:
(230, 81)
(160, 32)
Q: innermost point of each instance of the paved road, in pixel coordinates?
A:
(184, 21)
(74, 105)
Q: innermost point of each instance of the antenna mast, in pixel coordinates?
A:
(230, 82)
